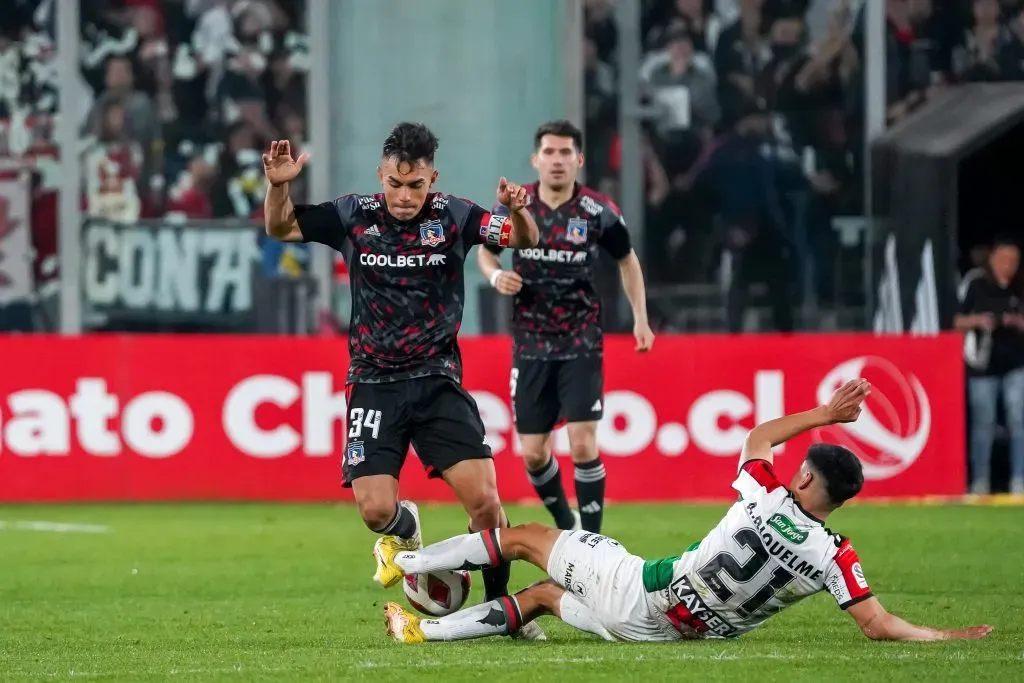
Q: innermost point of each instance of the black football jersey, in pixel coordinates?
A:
(557, 313)
(407, 278)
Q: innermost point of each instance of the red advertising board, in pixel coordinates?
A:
(254, 418)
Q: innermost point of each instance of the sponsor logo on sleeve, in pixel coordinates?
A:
(858, 575)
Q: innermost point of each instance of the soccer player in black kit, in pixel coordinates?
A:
(557, 370)
(406, 249)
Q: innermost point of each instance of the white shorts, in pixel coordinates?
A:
(604, 577)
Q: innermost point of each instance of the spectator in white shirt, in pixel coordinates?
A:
(686, 92)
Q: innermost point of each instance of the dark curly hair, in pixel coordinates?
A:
(409, 143)
(841, 470)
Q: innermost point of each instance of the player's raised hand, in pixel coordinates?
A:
(508, 282)
(644, 337)
(278, 164)
(511, 195)
(969, 633)
(846, 402)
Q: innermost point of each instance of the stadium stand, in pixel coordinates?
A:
(185, 96)
(754, 144)
(175, 103)
(753, 141)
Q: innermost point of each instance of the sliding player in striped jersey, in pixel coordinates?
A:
(770, 551)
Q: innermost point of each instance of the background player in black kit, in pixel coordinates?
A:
(406, 251)
(556, 321)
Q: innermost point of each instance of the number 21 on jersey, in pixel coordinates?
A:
(744, 573)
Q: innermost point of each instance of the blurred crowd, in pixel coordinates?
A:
(185, 94)
(176, 101)
(753, 126)
(752, 122)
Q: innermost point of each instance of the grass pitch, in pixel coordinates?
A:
(283, 593)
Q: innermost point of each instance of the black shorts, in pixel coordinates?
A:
(436, 415)
(547, 391)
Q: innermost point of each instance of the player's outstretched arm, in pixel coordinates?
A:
(878, 624)
(525, 232)
(844, 406)
(278, 212)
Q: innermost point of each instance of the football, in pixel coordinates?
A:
(439, 593)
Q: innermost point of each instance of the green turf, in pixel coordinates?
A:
(263, 593)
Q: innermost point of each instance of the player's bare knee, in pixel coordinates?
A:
(540, 598)
(582, 443)
(485, 510)
(524, 532)
(536, 450)
(584, 450)
(535, 459)
(377, 513)
(533, 529)
(548, 594)
(376, 499)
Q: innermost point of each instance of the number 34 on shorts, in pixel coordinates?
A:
(433, 414)
(362, 424)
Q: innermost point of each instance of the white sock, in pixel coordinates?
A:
(496, 618)
(578, 615)
(468, 551)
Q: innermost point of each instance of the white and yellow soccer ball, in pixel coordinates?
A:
(439, 593)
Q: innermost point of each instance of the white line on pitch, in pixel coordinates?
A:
(464, 663)
(722, 656)
(54, 527)
(76, 673)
